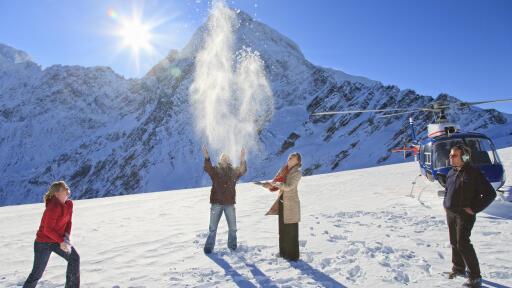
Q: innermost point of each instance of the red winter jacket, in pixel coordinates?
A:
(56, 221)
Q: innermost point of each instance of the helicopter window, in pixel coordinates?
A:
(442, 151)
(422, 153)
(482, 151)
(428, 154)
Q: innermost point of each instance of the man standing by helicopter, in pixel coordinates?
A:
(467, 192)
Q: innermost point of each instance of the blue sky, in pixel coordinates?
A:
(463, 48)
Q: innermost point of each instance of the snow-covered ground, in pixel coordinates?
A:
(359, 228)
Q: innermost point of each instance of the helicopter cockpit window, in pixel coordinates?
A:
(442, 152)
(482, 152)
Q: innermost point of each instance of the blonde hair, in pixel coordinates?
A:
(298, 157)
(226, 157)
(54, 188)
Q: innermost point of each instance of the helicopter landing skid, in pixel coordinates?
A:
(412, 188)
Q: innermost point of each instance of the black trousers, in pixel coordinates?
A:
(288, 237)
(460, 224)
(42, 252)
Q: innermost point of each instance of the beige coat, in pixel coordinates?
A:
(291, 202)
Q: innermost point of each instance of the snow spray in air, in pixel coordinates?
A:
(230, 95)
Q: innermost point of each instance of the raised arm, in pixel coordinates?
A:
(208, 167)
(242, 168)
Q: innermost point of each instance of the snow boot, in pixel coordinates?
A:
(473, 283)
(454, 274)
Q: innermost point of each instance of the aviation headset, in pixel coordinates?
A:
(465, 153)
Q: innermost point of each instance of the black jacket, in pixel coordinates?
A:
(468, 187)
(224, 181)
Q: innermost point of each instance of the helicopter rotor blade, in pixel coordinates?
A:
(466, 104)
(411, 111)
(361, 111)
(400, 113)
(434, 107)
(430, 109)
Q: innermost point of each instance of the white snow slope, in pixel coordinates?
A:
(359, 228)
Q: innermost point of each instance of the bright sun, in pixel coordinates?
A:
(135, 35)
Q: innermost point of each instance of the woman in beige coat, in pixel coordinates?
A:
(287, 206)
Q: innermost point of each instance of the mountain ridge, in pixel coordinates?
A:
(107, 135)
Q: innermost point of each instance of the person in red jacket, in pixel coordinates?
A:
(54, 236)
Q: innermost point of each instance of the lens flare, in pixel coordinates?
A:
(112, 14)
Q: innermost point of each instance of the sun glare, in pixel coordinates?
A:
(135, 35)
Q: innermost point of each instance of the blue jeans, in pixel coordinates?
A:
(215, 214)
(42, 251)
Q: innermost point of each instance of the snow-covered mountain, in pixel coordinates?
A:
(107, 135)
(356, 231)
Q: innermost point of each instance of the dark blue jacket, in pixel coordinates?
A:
(468, 187)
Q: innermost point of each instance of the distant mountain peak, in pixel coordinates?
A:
(249, 33)
(11, 55)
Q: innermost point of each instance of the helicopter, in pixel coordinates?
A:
(433, 152)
